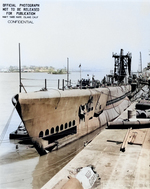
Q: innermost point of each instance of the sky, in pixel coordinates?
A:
(85, 31)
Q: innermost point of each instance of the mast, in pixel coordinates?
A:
(19, 70)
(67, 72)
(80, 77)
(140, 69)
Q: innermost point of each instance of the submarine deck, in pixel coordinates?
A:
(117, 169)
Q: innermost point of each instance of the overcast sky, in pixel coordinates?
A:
(86, 31)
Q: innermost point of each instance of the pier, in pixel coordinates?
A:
(129, 168)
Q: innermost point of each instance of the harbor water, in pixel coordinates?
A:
(20, 164)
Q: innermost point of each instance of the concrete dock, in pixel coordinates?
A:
(121, 170)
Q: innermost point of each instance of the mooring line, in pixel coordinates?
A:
(6, 126)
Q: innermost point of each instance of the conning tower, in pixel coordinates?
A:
(122, 62)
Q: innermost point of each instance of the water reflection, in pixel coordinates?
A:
(51, 163)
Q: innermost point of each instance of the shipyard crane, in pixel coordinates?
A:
(122, 65)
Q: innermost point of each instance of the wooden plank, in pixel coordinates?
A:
(122, 148)
(140, 136)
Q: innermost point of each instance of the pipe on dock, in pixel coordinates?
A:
(143, 114)
(142, 106)
(130, 114)
(137, 122)
(128, 124)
